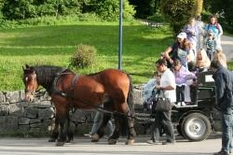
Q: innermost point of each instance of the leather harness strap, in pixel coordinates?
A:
(54, 89)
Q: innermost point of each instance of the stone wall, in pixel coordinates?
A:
(18, 117)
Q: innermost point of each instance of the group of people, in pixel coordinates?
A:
(196, 46)
(197, 49)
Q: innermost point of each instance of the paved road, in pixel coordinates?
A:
(83, 146)
(227, 46)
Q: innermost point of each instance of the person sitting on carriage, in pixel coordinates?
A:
(202, 61)
(184, 78)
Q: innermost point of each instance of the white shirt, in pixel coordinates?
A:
(168, 79)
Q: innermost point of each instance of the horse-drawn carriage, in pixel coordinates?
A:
(194, 121)
(113, 88)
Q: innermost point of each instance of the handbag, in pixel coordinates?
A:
(162, 103)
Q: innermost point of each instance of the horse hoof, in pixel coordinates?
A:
(95, 138)
(60, 143)
(69, 140)
(112, 141)
(130, 142)
(52, 140)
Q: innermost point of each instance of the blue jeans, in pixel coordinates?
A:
(227, 125)
(97, 122)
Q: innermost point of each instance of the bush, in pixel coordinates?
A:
(157, 17)
(178, 12)
(84, 57)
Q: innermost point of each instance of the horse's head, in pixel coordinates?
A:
(30, 82)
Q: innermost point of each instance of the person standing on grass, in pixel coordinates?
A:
(223, 81)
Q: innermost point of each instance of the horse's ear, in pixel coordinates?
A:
(23, 68)
(27, 66)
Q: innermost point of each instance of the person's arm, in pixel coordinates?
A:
(220, 87)
(166, 54)
(220, 30)
(165, 88)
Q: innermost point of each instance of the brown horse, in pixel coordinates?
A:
(110, 87)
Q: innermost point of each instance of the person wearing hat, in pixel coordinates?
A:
(179, 50)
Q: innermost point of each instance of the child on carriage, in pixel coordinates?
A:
(184, 78)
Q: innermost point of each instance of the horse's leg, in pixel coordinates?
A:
(70, 135)
(63, 120)
(116, 134)
(131, 130)
(55, 131)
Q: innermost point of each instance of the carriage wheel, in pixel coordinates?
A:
(196, 127)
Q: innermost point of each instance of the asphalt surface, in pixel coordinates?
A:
(83, 146)
(227, 46)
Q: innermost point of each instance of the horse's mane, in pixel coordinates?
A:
(46, 74)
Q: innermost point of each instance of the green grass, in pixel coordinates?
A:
(55, 45)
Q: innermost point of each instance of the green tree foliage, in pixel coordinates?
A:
(1, 6)
(23, 9)
(225, 7)
(177, 12)
(145, 8)
(109, 9)
(18, 9)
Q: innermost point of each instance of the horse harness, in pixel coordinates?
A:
(54, 89)
(70, 94)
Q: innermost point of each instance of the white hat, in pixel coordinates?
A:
(182, 35)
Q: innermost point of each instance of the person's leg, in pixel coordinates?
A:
(187, 94)
(226, 132)
(208, 52)
(109, 128)
(168, 127)
(178, 94)
(155, 129)
(96, 123)
(158, 126)
(182, 93)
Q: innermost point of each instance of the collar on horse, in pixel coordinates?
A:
(54, 89)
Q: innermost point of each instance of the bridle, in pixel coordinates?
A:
(29, 91)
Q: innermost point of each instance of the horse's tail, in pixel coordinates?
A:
(130, 99)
